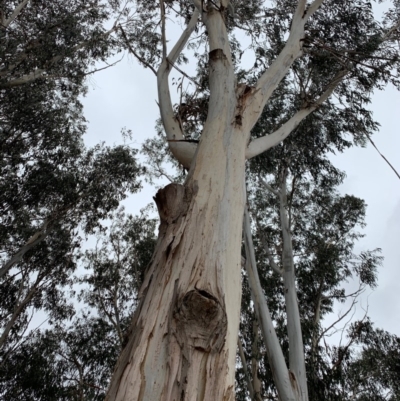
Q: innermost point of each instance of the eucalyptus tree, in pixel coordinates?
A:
(298, 265)
(50, 184)
(73, 358)
(183, 336)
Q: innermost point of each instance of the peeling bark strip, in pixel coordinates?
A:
(200, 322)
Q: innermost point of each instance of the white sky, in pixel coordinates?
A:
(125, 96)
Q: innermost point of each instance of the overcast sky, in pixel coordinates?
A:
(125, 96)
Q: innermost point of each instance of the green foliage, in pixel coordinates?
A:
(52, 189)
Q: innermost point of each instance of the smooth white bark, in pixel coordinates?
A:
(282, 378)
(183, 151)
(296, 348)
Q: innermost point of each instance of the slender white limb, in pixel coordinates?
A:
(267, 186)
(39, 236)
(260, 145)
(24, 79)
(271, 78)
(314, 7)
(15, 13)
(274, 350)
(183, 151)
(296, 347)
(163, 36)
(246, 371)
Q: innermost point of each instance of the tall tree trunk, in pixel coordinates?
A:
(184, 334)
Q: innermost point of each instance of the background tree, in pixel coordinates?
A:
(51, 186)
(73, 358)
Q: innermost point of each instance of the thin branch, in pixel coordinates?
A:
(186, 75)
(104, 68)
(39, 236)
(15, 13)
(142, 60)
(337, 321)
(267, 186)
(39, 72)
(163, 36)
(384, 158)
(246, 371)
(391, 30)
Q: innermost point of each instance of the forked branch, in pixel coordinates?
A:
(271, 78)
(183, 151)
(260, 145)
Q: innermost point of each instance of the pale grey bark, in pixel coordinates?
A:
(284, 382)
(184, 333)
(296, 348)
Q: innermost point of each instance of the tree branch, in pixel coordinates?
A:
(383, 157)
(260, 145)
(143, 61)
(39, 72)
(267, 186)
(246, 371)
(163, 36)
(275, 355)
(183, 151)
(296, 347)
(271, 78)
(39, 236)
(15, 14)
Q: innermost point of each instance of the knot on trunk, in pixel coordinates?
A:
(200, 321)
(172, 202)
